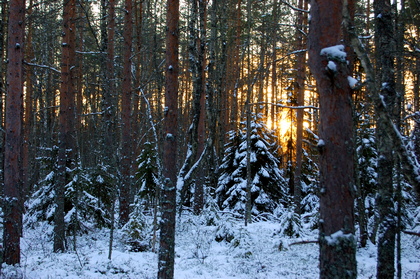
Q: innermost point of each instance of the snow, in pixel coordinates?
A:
(256, 252)
(336, 53)
(337, 237)
(352, 81)
(332, 66)
(409, 106)
(321, 143)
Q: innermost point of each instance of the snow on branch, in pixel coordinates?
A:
(334, 53)
(284, 106)
(294, 8)
(43, 66)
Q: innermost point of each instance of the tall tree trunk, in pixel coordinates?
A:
(329, 66)
(274, 89)
(126, 137)
(66, 151)
(201, 86)
(3, 77)
(233, 64)
(166, 259)
(13, 207)
(300, 98)
(384, 46)
(213, 90)
(28, 113)
(400, 114)
(109, 98)
(109, 118)
(197, 52)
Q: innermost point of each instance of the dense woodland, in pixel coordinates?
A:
(116, 110)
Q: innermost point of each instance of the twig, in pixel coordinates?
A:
(304, 242)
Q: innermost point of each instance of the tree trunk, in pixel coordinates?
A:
(166, 259)
(384, 46)
(109, 118)
(67, 119)
(329, 66)
(13, 206)
(233, 64)
(300, 97)
(28, 113)
(126, 137)
(213, 89)
(197, 52)
(201, 129)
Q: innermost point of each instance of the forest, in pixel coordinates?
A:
(140, 123)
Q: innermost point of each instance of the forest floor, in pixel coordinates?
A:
(256, 252)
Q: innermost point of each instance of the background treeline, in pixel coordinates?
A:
(248, 111)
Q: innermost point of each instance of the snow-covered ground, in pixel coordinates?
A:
(256, 252)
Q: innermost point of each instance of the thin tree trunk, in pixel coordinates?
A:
(28, 115)
(337, 239)
(400, 92)
(13, 206)
(201, 131)
(166, 259)
(109, 119)
(300, 97)
(126, 137)
(213, 95)
(197, 50)
(233, 66)
(67, 119)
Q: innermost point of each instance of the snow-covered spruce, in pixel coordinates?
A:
(268, 187)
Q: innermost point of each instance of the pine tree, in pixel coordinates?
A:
(330, 67)
(12, 200)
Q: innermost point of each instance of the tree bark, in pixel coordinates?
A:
(384, 47)
(13, 206)
(166, 259)
(28, 111)
(300, 97)
(337, 239)
(126, 137)
(197, 54)
(67, 119)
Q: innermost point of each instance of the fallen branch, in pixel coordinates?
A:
(304, 242)
(411, 233)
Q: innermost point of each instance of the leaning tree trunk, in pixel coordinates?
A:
(328, 63)
(166, 259)
(13, 207)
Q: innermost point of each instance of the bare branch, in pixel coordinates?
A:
(408, 160)
(294, 8)
(44, 67)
